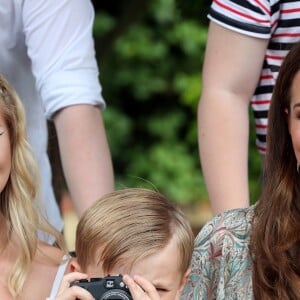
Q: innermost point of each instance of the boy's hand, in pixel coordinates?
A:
(74, 292)
(140, 288)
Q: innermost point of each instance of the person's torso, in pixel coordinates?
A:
(15, 65)
(275, 20)
(221, 262)
(285, 32)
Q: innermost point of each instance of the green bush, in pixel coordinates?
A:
(150, 58)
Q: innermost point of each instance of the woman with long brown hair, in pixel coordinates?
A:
(254, 253)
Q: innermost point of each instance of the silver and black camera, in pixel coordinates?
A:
(109, 287)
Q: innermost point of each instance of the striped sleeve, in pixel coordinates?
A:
(249, 17)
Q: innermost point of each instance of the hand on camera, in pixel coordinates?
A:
(140, 288)
(74, 292)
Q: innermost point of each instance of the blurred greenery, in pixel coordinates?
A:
(150, 56)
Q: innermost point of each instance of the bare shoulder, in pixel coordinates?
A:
(44, 269)
(48, 254)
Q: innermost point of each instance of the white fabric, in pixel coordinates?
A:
(58, 278)
(47, 54)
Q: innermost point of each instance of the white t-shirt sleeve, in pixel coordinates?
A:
(58, 35)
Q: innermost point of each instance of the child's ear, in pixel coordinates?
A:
(184, 279)
(74, 265)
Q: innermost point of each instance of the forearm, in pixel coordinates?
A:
(223, 130)
(85, 154)
(231, 70)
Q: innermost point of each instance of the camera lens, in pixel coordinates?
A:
(115, 295)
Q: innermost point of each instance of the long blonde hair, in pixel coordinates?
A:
(19, 200)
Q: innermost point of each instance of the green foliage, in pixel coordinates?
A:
(255, 164)
(150, 58)
(151, 82)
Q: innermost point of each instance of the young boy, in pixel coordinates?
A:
(138, 233)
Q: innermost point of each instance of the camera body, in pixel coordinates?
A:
(108, 287)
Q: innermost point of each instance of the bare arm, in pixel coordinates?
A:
(59, 43)
(231, 71)
(85, 154)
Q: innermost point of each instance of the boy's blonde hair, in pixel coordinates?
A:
(19, 205)
(128, 225)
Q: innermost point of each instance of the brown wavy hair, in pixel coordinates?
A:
(275, 241)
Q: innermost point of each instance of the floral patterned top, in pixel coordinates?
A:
(221, 263)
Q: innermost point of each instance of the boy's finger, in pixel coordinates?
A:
(140, 288)
(136, 292)
(68, 278)
(66, 292)
(73, 276)
(147, 286)
(75, 292)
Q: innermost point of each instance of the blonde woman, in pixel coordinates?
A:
(28, 266)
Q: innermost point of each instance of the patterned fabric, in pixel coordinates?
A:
(275, 20)
(221, 263)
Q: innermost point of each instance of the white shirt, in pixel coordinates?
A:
(47, 54)
(59, 276)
